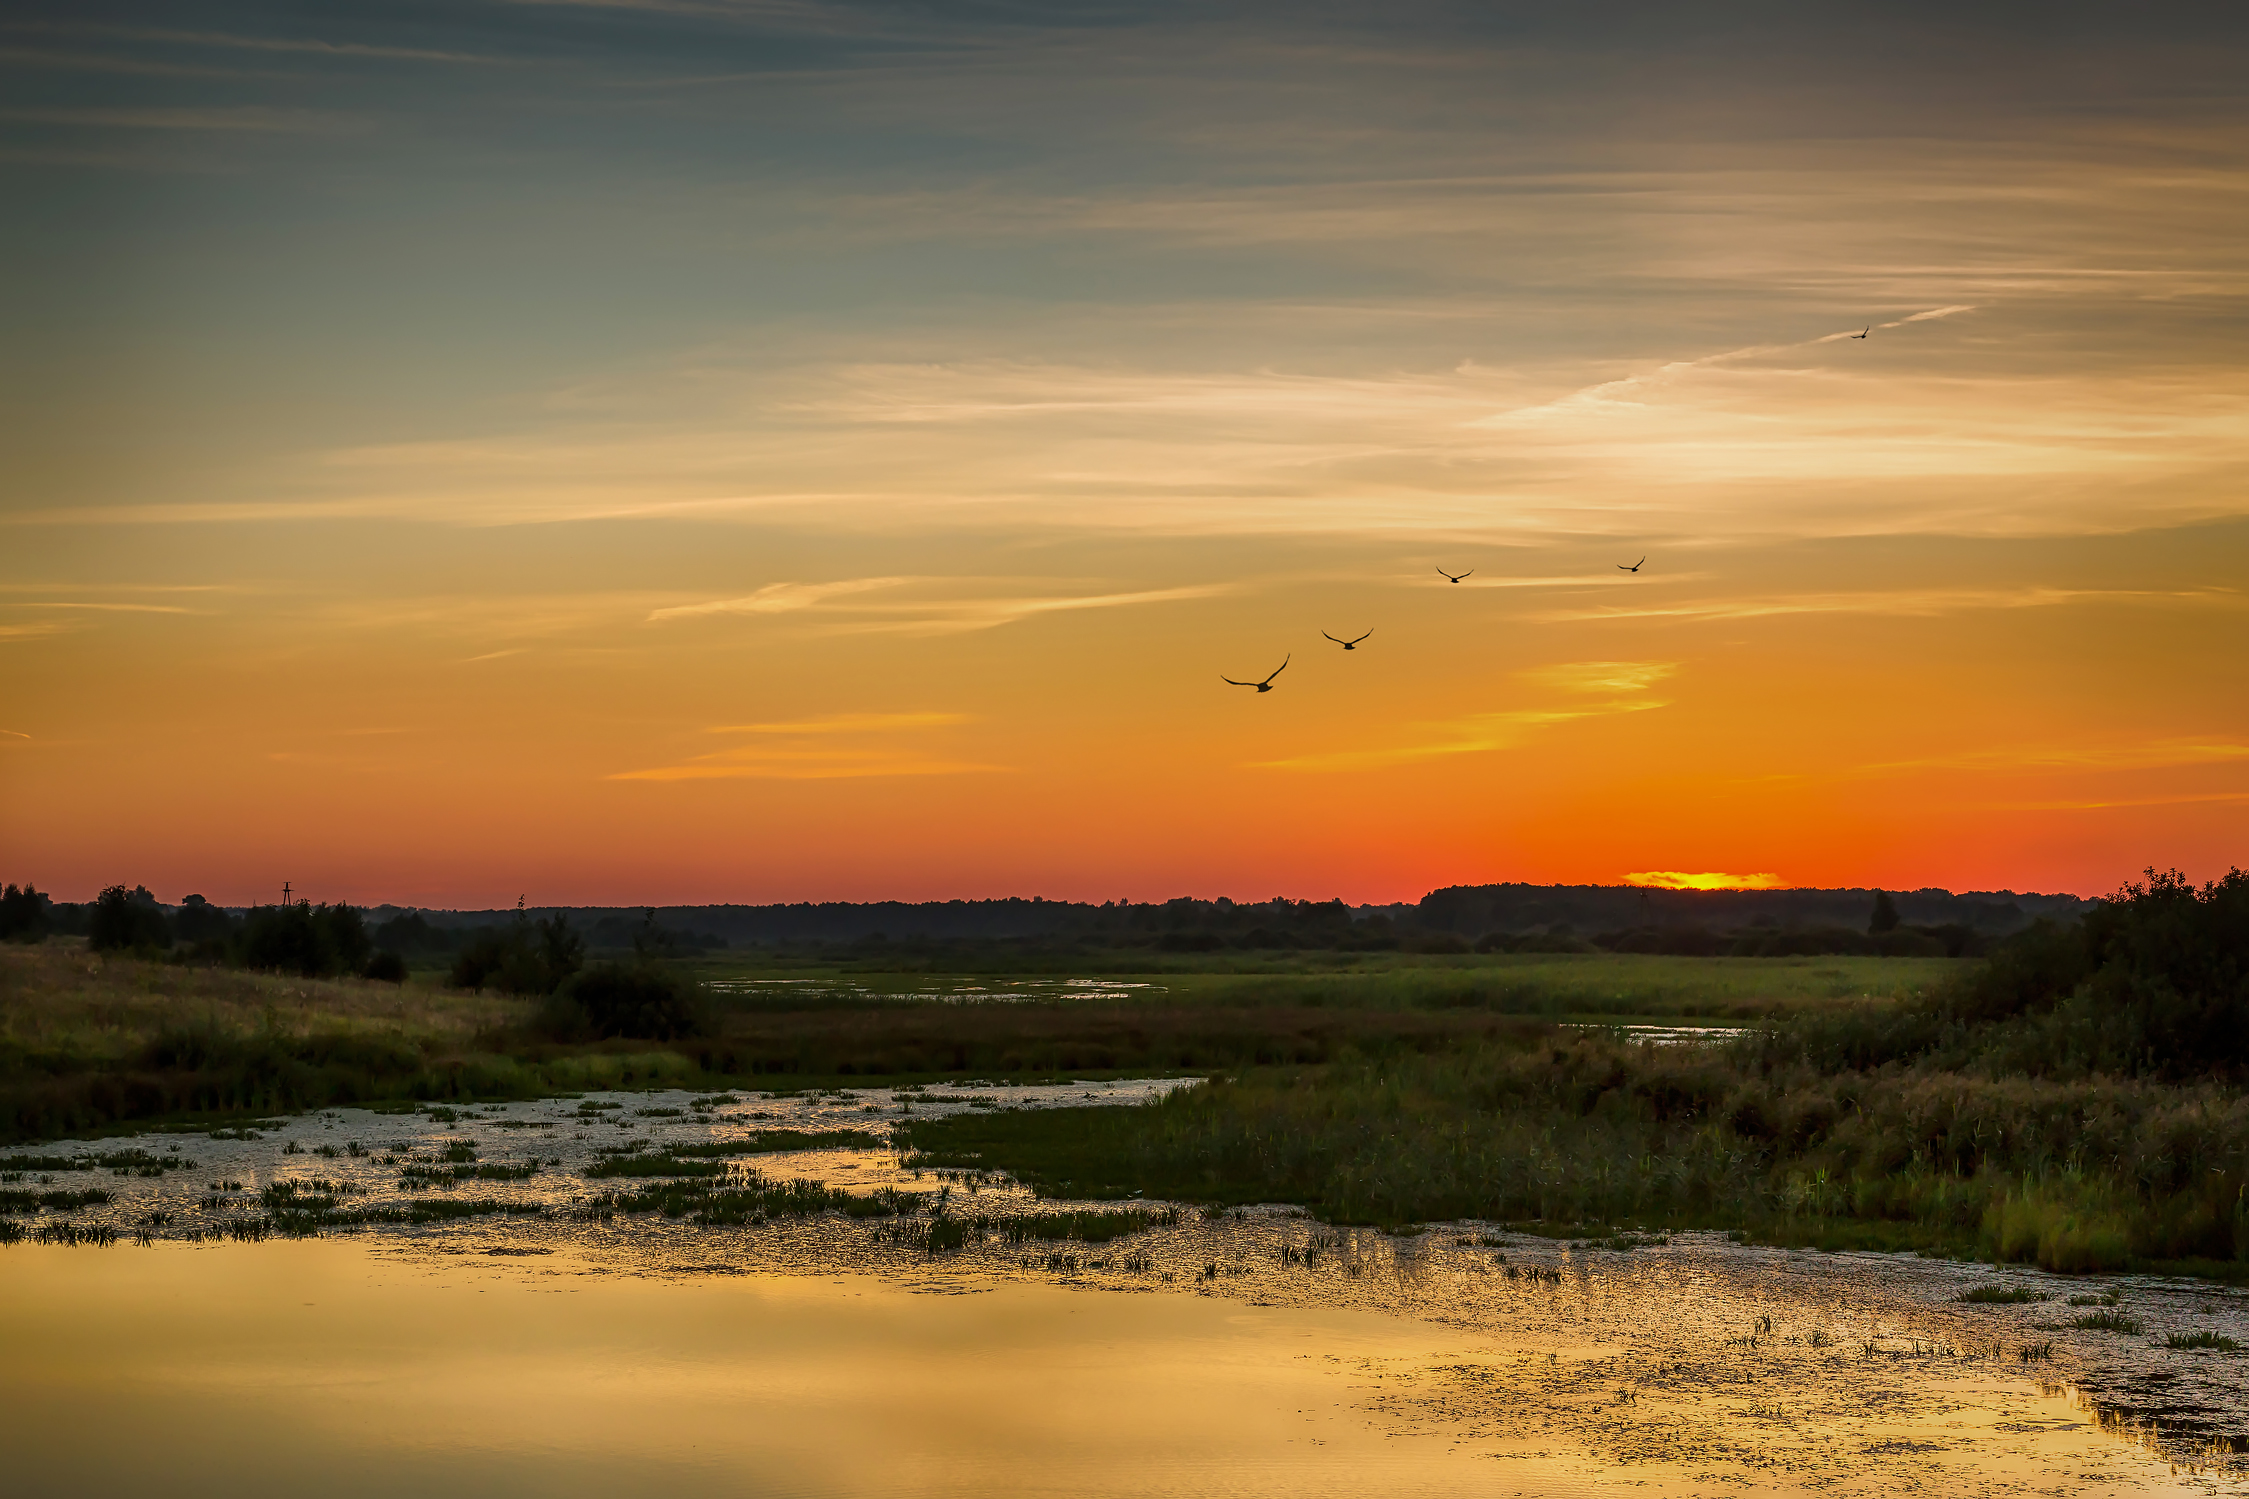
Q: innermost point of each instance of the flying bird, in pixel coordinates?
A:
(1452, 577)
(1635, 567)
(1349, 645)
(1267, 684)
(1869, 329)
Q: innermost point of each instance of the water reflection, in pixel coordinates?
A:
(1674, 1361)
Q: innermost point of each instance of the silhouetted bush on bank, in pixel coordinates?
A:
(529, 957)
(640, 1001)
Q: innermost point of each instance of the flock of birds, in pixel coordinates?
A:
(1353, 644)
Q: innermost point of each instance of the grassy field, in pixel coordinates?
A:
(1618, 988)
(90, 1042)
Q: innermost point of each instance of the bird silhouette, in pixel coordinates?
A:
(1349, 645)
(1267, 684)
(1635, 567)
(1456, 577)
(1869, 329)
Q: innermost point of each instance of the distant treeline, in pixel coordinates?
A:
(1486, 918)
(1490, 918)
(522, 955)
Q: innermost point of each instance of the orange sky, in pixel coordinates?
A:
(720, 457)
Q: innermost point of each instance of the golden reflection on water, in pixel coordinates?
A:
(339, 1367)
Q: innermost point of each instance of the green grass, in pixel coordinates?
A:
(2001, 1296)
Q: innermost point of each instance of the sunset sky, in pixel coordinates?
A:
(705, 451)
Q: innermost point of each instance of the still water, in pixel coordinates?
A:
(555, 1351)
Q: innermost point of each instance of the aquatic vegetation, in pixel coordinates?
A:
(1088, 1227)
(425, 1174)
(2002, 1295)
(99, 1235)
(121, 1162)
(61, 1200)
(2106, 1322)
(2207, 1341)
(711, 1159)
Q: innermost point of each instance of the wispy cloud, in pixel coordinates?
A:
(2103, 804)
(1602, 676)
(239, 42)
(810, 764)
(924, 615)
(954, 616)
(1623, 686)
(778, 598)
(846, 723)
(247, 117)
(2154, 754)
(815, 754)
(1921, 602)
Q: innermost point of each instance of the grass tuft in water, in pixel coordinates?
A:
(2214, 1342)
(2002, 1296)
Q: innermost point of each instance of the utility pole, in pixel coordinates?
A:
(285, 893)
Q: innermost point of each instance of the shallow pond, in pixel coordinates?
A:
(549, 1338)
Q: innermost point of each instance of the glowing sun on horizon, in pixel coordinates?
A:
(1672, 879)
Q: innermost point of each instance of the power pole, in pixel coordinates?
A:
(284, 892)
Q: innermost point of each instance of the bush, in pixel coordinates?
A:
(123, 920)
(531, 957)
(639, 1001)
(387, 967)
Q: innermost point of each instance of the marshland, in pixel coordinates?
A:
(2009, 1185)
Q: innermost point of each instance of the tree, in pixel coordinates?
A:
(198, 921)
(301, 938)
(1885, 914)
(123, 920)
(23, 914)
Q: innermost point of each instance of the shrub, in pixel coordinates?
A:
(640, 1001)
(531, 957)
(387, 967)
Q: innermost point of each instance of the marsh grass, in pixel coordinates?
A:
(2001, 1296)
(2081, 1175)
(2209, 1342)
(711, 1158)
(2106, 1322)
(61, 1200)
